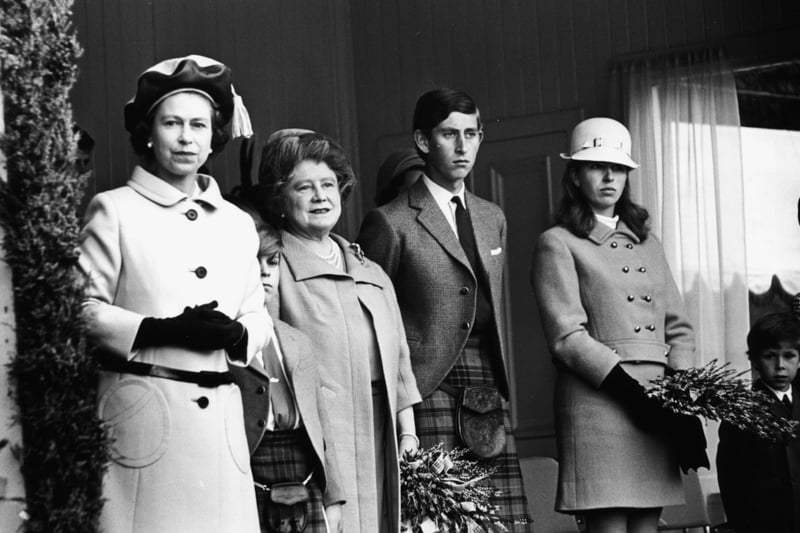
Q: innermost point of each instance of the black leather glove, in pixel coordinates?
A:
(647, 413)
(200, 328)
(688, 440)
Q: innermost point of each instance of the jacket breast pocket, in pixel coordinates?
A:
(136, 414)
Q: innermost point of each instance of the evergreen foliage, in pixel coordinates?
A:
(64, 447)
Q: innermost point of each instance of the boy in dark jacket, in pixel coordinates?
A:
(760, 479)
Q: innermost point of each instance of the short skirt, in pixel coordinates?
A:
(605, 461)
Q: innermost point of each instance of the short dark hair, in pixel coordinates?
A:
(140, 134)
(435, 106)
(771, 330)
(576, 214)
(281, 157)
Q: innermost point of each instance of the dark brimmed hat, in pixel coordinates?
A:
(192, 73)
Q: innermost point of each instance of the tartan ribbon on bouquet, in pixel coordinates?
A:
(444, 491)
(717, 392)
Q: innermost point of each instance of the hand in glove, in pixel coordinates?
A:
(688, 441)
(647, 413)
(200, 328)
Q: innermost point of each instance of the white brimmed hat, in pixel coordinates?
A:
(601, 139)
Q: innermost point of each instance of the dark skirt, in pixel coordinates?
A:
(435, 421)
(286, 456)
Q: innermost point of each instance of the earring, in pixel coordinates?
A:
(210, 150)
(149, 144)
(283, 215)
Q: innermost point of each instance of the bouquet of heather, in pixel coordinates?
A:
(716, 392)
(441, 491)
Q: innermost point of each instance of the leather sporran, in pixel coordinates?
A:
(479, 418)
(287, 508)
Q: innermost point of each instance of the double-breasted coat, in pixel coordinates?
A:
(330, 307)
(606, 299)
(759, 479)
(180, 457)
(301, 371)
(411, 239)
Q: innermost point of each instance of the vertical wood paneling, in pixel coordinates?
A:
(548, 48)
(594, 85)
(674, 28)
(637, 25)
(531, 58)
(565, 46)
(656, 17)
(713, 14)
(694, 21)
(618, 26)
(512, 28)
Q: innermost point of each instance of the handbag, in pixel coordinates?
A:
(479, 420)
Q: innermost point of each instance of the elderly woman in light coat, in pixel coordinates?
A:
(347, 305)
(174, 295)
(614, 320)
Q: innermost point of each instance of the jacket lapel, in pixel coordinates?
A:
(288, 346)
(432, 219)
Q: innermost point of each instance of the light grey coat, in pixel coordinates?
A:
(342, 312)
(180, 457)
(609, 299)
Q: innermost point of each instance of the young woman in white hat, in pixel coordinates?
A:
(173, 295)
(614, 320)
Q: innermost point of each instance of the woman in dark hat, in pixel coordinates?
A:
(174, 295)
(399, 171)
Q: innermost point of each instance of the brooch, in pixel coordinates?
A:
(359, 253)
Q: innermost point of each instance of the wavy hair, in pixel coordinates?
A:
(576, 214)
(279, 160)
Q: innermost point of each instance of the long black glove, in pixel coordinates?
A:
(200, 328)
(647, 413)
(688, 440)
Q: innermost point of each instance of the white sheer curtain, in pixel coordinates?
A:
(684, 119)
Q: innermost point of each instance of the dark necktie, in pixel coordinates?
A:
(279, 394)
(787, 402)
(465, 235)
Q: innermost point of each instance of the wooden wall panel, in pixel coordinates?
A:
(292, 64)
(522, 57)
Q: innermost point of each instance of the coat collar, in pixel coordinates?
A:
(305, 264)
(601, 233)
(159, 191)
(432, 219)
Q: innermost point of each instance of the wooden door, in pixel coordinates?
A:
(519, 169)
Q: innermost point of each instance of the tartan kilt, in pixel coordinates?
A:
(285, 456)
(435, 419)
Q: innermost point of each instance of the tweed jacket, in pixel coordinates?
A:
(179, 458)
(759, 480)
(301, 370)
(413, 242)
(340, 312)
(600, 305)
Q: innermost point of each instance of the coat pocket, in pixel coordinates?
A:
(136, 414)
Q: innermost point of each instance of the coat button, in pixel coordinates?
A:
(465, 325)
(647, 298)
(626, 269)
(202, 402)
(629, 246)
(651, 327)
(191, 214)
(637, 329)
(614, 244)
(463, 290)
(642, 269)
(631, 298)
(200, 272)
(261, 422)
(261, 389)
